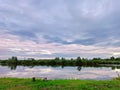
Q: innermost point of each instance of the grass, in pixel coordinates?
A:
(28, 84)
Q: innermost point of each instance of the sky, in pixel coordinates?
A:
(59, 28)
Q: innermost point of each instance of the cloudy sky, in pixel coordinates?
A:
(59, 28)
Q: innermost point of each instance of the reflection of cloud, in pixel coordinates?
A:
(97, 73)
(41, 70)
(117, 70)
(58, 73)
(16, 73)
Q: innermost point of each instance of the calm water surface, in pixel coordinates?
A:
(68, 72)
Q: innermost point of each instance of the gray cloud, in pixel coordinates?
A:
(64, 22)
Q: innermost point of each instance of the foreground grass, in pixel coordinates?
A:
(27, 84)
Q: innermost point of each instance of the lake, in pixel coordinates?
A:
(67, 72)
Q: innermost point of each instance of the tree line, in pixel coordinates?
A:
(61, 61)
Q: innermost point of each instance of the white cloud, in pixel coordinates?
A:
(45, 52)
(24, 23)
(116, 53)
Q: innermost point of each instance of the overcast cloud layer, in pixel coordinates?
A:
(59, 28)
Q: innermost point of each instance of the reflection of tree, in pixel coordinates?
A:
(115, 67)
(79, 68)
(31, 66)
(62, 66)
(12, 67)
(117, 72)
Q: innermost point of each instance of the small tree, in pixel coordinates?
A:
(57, 58)
(79, 61)
(14, 58)
(112, 58)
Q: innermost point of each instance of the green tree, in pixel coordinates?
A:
(57, 58)
(112, 58)
(78, 61)
(14, 58)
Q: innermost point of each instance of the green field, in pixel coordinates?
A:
(28, 84)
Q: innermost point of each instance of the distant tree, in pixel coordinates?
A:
(96, 59)
(31, 59)
(62, 58)
(71, 59)
(118, 58)
(57, 58)
(112, 58)
(14, 58)
(63, 61)
(79, 61)
(78, 58)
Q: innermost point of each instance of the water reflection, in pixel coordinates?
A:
(112, 66)
(59, 72)
(79, 68)
(12, 67)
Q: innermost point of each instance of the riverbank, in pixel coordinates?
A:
(28, 84)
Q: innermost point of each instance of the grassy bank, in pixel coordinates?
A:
(27, 84)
